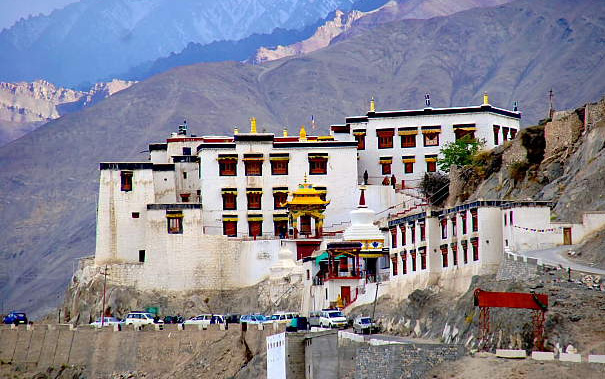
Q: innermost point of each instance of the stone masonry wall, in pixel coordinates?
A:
(517, 269)
(402, 361)
(562, 132)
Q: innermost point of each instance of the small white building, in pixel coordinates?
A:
(406, 143)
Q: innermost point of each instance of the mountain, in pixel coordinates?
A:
(346, 24)
(517, 51)
(25, 106)
(92, 39)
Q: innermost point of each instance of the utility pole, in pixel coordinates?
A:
(551, 107)
(374, 308)
(104, 273)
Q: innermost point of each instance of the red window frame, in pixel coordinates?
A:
(431, 139)
(229, 201)
(463, 219)
(431, 166)
(394, 264)
(414, 258)
(253, 168)
(227, 167)
(465, 251)
(408, 141)
(408, 167)
(513, 133)
(422, 259)
(386, 168)
(385, 138)
(255, 228)
(361, 141)
(175, 225)
(454, 231)
(475, 247)
(403, 239)
(474, 221)
(413, 233)
(279, 200)
(422, 231)
(254, 200)
(404, 269)
(126, 180)
(278, 225)
(455, 255)
(318, 166)
(443, 228)
(394, 237)
(444, 262)
(496, 134)
(279, 167)
(230, 228)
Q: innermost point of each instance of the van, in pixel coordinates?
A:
(332, 318)
(283, 317)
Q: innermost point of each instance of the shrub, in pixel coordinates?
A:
(435, 187)
(518, 170)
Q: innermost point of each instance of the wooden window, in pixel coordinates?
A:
(454, 254)
(505, 133)
(413, 256)
(305, 225)
(254, 200)
(280, 228)
(361, 141)
(513, 133)
(185, 197)
(279, 167)
(403, 239)
(253, 168)
(385, 138)
(308, 274)
(510, 219)
(465, 251)
(474, 221)
(422, 226)
(141, 256)
(318, 165)
(431, 166)
(229, 201)
(463, 219)
(496, 134)
(443, 228)
(230, 228)
(408, 167)
(505, 219)
(422, 259)
(394, 237)
(404, 269)
(126, 180)
(186, 151)
(227, 167)
(461, 133)
(413, 233)
(394, 264)
(431, 139)
(444, 261)
(175, 223)
(475, 246)
(255, 228)
(408, 141)
(386, 168)
(135, 215)
(279, 200)
(454, 231)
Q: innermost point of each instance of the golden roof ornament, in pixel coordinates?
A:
(302, 134)
(253, 125)
(372, 105)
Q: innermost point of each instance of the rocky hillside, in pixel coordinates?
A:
(25, 106)
(346, 24)
(49, 178)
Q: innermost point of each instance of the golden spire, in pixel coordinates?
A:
(485, 98)
(302, 134)
(285, 132)
(253, 125)
(372, 105)
(236, 130)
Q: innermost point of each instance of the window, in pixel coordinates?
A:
(463, 219)
(444, 256)
(279, 167)
(510, 218)
(413, 256)
(404, 269)
(184, 174)
(185, 197)
(385, 163)
(408, 165)
(513, 133)
(308, 274)
(318, 164)
(255, 228)
(229, 199)
(394, 264)
(465, 251)
(422, 258)
(408, 141)
(279, 199)
(496, 134)
(431, 139)
(443, 228)
(454, 231)
(305, 225)
(394, 237)
(186, 151)
(141, 256)
(230, 228)
(135, 215)
(465, 130)
(454, 254)
(253, 166)
(280, 228)
(360, 137)
(254, 198)
(413, 233)
(504, 133)
(126, 180)
(175, 222)
(431, 163)
(227, 166)
(475, 245)
(422, 231)
(403, 239)
(474, 222)
(505, 219)
(385, 138)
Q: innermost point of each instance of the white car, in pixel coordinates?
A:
(332, 318)
(205, 320)
(139, 318)
(283, 317)
(108, 321)
(255, 319)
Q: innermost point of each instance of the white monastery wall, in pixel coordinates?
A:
(164, 187)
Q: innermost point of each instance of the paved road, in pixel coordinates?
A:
(558, 256)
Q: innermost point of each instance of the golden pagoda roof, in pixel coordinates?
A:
(306, 195)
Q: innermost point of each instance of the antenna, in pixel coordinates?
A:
(551, 107)
(427, 100)
(515, 106)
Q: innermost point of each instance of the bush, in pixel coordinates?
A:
(518, 170)
(435, 187)
(458, 153)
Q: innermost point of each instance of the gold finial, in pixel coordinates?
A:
(303, 133)
(305, 178)
(253, 125)
(285, 132)
(236, 130)
(485, 98)
(372, 105)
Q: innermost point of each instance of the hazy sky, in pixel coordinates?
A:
(13, 10)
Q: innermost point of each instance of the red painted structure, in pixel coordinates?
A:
(537, 302)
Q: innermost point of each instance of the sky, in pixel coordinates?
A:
(13, 10)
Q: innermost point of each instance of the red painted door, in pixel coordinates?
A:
(345, 295)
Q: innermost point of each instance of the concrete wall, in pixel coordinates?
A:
(276, 356)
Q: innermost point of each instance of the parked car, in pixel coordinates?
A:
(205, 320)
(332, 318)
(140, 318)
(232, 318)
(298, 324)
(255, 319)
(178, 319)
(363, 324)
(283, 317)
(15, 317)
(107, 322)
(314, 318)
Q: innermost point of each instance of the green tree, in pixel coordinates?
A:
(459, 153)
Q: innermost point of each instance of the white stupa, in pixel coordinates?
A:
(362, 228)
(285, 264)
